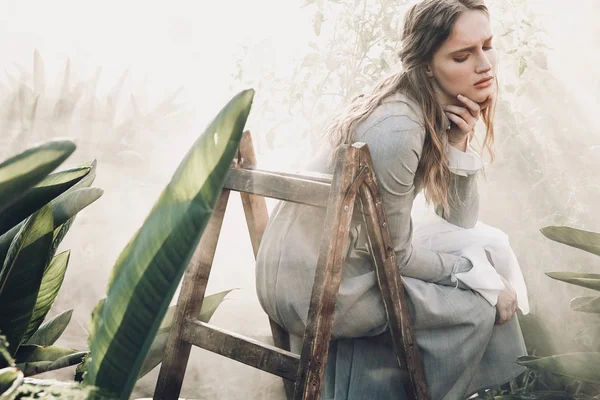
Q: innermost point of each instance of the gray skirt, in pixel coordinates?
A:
(462, 349)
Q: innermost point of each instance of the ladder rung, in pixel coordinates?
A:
(302, 189)
(237, 347)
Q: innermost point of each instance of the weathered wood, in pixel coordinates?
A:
(327, 277)
(189, 304)
(278, 186)
(246, 350)
(390, 283)
(257, 217)
(308, 175)
(353, 179)
(255, 207)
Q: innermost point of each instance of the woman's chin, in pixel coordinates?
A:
(481, 95)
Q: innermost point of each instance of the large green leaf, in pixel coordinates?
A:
(583, 366)
(34, 353)
(22, 273)
(37, 359)
(59, 234)
(150, 267)
(64, 208)
(536, 335)
(51, 330)
(20, 173)
(155, 355)
(87, 180)
(590, 304)
(585, 240)
(51, 283)
(44, 192)
(209, 307)
(588, 337)
(591, 281)
(61, 231)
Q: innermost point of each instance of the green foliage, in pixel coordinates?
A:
(50, 331)
(6, 359)
(585, 240)
(10, 379)
(355, 44)
(35, 206)
(54, 390)
(562, 376)
(22, 275)
(581, 366)
(42, 193)
(149, 269)
(115, 126)
(157, 350)
(48, 290)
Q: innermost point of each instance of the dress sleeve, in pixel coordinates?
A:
(463, 197)
(463, 202)
(396, 144)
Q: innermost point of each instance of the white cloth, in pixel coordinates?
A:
(433, 232)
(464, 164)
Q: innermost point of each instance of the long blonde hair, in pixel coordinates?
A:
(426, 26)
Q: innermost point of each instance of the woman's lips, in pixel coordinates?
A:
(484, 84)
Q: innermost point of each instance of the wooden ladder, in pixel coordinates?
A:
(353, 181)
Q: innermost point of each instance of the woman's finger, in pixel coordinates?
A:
(460, 111)
(473, 107)
(502, 318)
(462, 124)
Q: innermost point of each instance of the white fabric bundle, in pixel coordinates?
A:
(435, 233)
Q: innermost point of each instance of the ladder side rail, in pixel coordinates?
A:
(317, 334)
(189, 304)
(257, 218)
(390, 282)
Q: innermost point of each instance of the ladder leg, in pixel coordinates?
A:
(390, 283)
(257, 217)
(255, 207)
(189, 304)
(327, 278)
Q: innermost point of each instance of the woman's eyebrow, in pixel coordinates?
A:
(470, 48)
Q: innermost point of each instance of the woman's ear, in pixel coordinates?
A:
(428, 71)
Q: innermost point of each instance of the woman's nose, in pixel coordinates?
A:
(484, 65)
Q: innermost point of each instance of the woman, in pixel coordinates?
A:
(418, 130)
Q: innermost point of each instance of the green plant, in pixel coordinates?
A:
(116, 126)
(355, 43)
(148, 271)
(157, 349)
(36, 210)
(571, 375)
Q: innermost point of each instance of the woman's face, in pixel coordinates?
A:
(464, 59)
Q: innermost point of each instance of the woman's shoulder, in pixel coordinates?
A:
(398, 110)
(397, 113)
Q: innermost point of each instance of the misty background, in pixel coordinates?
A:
(140, 80)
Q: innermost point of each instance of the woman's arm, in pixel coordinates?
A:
(396, 144)
(463, 196)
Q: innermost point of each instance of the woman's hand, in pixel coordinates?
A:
(464, 119)
(507, 304)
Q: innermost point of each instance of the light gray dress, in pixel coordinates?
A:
(462, 349)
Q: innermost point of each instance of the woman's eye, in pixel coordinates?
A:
(462, 59)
